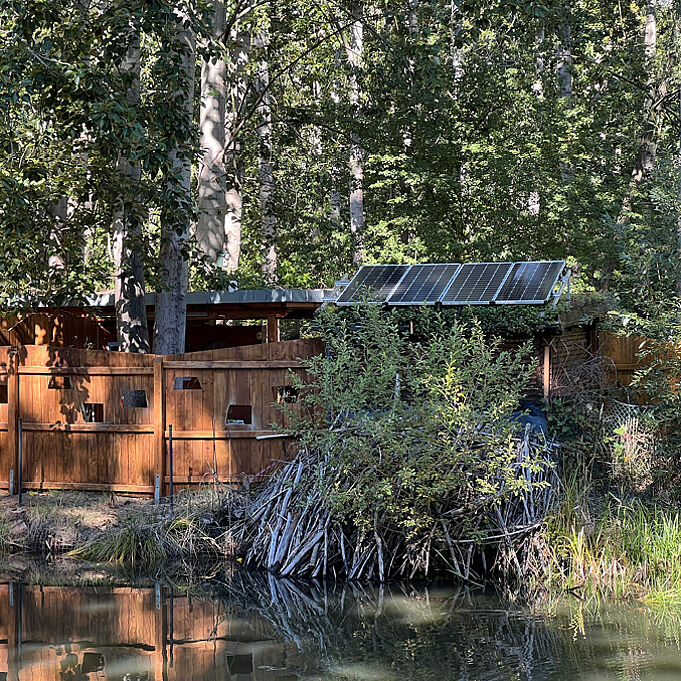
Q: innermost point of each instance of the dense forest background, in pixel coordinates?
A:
(157, 145)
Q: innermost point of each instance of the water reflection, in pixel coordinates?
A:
(248, 628)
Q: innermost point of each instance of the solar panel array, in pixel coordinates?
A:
(481, 283)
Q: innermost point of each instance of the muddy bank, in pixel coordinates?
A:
(136, 533)
(58, 522)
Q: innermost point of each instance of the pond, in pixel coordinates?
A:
(248, 628)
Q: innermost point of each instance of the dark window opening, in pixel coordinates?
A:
(4, 395)
(240, 664)
(92, 662)
(239, 414)
(60, 383)
(134, 399)
(93, 412)
(285, 394)
(187, 383)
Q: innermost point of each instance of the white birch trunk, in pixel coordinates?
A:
(265, 164)
(171, 302)
(456, 56)
(210, 232)
(132, 331)
(355, 49)
(232, 162)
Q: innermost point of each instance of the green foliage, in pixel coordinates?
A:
(603, 546)
(413, 428)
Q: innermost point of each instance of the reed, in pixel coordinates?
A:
(604, 546)
(5, 538)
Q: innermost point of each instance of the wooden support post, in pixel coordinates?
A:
(159, 425)
(13, 414)
(547, 372)
(273, 329)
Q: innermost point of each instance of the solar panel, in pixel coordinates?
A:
(530, 282)
(453, 284)
(373, 282)
(423, 284)
(476, 283)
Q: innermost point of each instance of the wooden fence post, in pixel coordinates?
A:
(273, 329)
(547, 372)
(13, 414)
(159, 425)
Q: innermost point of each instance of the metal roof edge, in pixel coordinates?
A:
(241, 296)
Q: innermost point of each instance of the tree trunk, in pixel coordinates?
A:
(232, 162)
(171, 308)
(132, 331)
(678, 205)
(644, 159)
(265, 164)
(210, 231)
(354, 50)
(456, 56)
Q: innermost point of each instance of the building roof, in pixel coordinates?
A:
(238, 297)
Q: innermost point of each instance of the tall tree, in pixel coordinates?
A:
(264, 132)
(210, 229)
(354, 50)
(171, 308)
(239, 39)
(132, 330)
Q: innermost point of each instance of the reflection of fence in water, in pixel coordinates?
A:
(96, 420)
(55, 633)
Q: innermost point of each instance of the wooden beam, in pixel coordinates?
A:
(138, 428)
(89, 371)
(159, 424)
(91, 487)
(238, 432)
(233, 364)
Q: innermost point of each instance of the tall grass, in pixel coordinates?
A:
(603, 546)
(5, 538)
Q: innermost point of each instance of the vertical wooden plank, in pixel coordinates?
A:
(159, 417)
(547, 372)
(13, 413)
(273, 329)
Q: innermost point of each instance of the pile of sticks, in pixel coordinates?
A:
(291, 530)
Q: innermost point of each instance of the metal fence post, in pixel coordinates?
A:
(170, 465)
(21, 456)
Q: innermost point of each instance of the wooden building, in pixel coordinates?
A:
(215, 319)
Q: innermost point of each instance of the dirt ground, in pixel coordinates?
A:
(57, 522)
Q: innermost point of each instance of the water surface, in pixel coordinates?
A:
(245, 628)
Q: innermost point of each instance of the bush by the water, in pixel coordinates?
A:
(411, 457)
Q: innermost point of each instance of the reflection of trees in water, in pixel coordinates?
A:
(428, 634)
(400, 632)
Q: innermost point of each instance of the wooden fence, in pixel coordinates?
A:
(97, 420)
(51, 633)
